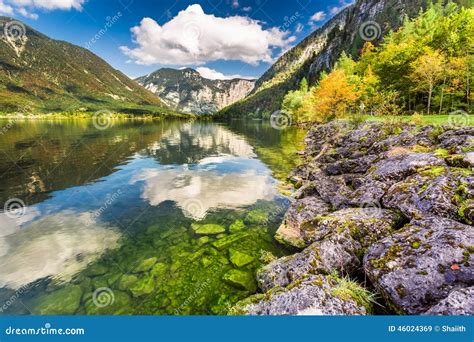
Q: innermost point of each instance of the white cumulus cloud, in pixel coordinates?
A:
(318, 16)
(216, 75)
(25, 8)
(194, 38)
(49, 4)
(5, 9)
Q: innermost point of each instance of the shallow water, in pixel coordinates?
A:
(114, 220)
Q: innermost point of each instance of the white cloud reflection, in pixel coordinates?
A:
(59, 245)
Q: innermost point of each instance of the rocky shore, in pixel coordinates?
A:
(383, 217)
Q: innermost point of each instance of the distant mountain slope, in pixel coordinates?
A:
(41, 74)
(320, 50)
(187, 91)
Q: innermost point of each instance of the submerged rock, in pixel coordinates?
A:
(316, 295)
(65, 301)
(237, 226)
(239, 259)
(242, 280)
(459, 302)
(207, 229)
(257, 216)
(143, 286)
(419, 265)
(145, 265)
(127, 281)
(229, 240)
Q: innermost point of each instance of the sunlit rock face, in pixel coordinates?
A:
(55, 246)
(187, 91)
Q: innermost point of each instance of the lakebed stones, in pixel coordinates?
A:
(239, 259)
(422, 263)
(145, 265)
(65, 301)
(207, 229)
(316, 295)
(242, 280)
(460, 302)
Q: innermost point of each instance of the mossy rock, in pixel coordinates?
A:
(229, 240)
(159, 270)
(127, 281)
(96, 270)
(153, 229)
(237, 226)
(145, 265)
(207, 229)
(242, 280)
(239, 259)
(203, 240)
(143, 286)
(119, 303)
(256, 217)
(65, 301)
(206, 262)
(99, 282)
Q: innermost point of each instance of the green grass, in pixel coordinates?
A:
(426, 119)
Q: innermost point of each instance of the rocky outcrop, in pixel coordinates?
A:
(187, 91)
(419, 265)
(393, 206)
(316, 295)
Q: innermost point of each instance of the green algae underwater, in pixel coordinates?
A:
(144, 218)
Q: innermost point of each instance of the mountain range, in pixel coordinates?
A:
(40, 74)
(186, 91)
(320, 50)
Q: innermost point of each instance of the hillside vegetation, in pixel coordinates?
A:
(39, 75)
(426, 66)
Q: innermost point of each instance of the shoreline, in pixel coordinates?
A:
(392, 205)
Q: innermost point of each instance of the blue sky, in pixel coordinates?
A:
(229, 37)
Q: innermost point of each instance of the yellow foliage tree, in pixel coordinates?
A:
(428, 70)
(333, 97)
